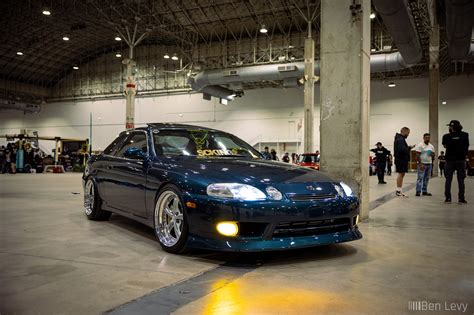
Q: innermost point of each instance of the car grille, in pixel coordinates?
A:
(317, 227)
(294, 197)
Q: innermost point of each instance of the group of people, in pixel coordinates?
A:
(456, 143)
(272, 155)
(8, 157)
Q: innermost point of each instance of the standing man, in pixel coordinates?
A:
(456, 143)
(441, 161)
(425, 152)
(402, 158)
(381, 155)
(266, 154)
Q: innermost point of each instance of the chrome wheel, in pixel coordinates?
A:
(169, 218)
(89, 197)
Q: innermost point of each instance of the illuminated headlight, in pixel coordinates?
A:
(227, 228)
(235, 191)
(274, 193)
(347, 189)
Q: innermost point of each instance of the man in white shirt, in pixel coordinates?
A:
(425, 152)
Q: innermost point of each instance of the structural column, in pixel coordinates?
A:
(308, 94)
(130, 91)
(434, 92)
(345, 92)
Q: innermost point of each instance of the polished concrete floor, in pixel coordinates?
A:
(54, 261)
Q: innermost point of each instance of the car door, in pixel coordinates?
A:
(127, 176)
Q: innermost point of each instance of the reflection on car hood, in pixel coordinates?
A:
(243, 170)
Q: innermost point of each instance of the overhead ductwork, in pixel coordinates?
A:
(209, 82)
(24, 107)
(399, 23)
(459, 23)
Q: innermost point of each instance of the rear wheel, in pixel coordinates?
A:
(93, 203)
(170, 221)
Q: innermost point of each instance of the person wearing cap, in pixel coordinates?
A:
(425, 152)
(456, 143)
(381, 154)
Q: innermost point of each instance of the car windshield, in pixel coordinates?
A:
(308, 158)
(201, 143)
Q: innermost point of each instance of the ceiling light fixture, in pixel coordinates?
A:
(372, 16)
(118, 55)
(263, 30)
(65, 38)
(392, 84)
(19, 53)
(373, 49)
(75, 67)
(166, 56)
(291, 46)
(117, 38)
(46, 12)
(175, 57)
(444, 102)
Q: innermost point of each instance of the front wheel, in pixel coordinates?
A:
(170, 220)
(93, 203)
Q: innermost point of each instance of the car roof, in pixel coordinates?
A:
(178, 126)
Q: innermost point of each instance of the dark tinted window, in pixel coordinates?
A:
(113, 146)
(135, 139)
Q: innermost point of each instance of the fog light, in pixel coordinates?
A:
(227, 228)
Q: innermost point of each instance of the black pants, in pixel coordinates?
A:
(380, 171)
(441, 168)
(389, 169)
(449, 168)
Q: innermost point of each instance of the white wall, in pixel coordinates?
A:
(266, 115)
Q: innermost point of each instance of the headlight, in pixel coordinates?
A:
(274, 193)
(235, 191)
(347, 189)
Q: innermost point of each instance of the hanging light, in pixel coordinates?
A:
(175, 57)
(263, 30)
(75, 67)
(392, 84)
(19, 53)
(444, 102)
(117, 38)
(118, 55)
(46, 12)
(65, 38)
(372, 15)
(166, 56)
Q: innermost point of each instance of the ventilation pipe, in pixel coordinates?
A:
(459, 23)
(399, 23)
(209, 82)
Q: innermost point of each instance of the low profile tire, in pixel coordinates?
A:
(93, 203)
(170, 220)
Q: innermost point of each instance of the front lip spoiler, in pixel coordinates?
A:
(285, 243)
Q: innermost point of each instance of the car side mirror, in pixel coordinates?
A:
(134, 153)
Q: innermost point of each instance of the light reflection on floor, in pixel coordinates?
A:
(247, 296)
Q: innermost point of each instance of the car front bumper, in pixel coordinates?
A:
(272, 225)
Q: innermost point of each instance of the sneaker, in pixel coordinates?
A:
(418, 194)
(427, 194)
(447, 200)
(382, 182)
(462, 201)
(400, 194)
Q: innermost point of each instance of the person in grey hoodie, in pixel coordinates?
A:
(402, 158)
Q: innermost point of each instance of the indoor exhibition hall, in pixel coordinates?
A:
(236, 157)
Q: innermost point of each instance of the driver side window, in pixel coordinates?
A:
(136, 139)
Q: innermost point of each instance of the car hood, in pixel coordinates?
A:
(256, 172)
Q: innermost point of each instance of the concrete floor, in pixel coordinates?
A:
(53, 260)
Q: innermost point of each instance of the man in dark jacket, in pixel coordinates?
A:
(381, 155)
(402, 157)
(456, 143)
